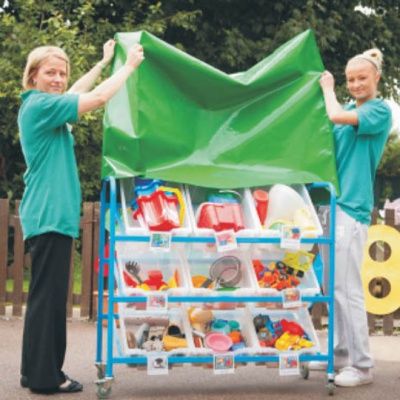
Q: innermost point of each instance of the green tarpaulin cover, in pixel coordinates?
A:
(179, 119)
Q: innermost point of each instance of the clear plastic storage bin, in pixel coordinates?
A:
(205, 212)
(307, 284)
(215, 274)
(143, 273)
(287, 205)
(300, 316)
(138, 227)
(228, 321)
(155, 331)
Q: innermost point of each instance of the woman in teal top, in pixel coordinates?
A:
(50, 207)
(360, 132)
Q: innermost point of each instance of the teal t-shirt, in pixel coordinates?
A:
(52, 196)
(358, 153)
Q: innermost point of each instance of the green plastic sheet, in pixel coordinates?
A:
(179, 119)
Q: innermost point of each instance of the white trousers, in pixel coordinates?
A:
(351, 336)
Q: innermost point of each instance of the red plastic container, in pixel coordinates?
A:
(220, 217)
(159, 211)
(262, 199)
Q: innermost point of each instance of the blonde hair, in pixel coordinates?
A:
(374, 56)
(36, 57)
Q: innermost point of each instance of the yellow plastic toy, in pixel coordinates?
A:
(388, 269)
(200, 318)
(172, 342)
(303, 219)
(289, 341)
(299, 262)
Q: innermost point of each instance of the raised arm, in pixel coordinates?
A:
(335, 112)
(107, 89)
(86, 82)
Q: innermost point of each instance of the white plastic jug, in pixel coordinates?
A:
(283, 203)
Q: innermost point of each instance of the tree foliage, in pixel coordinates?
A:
(231, 35)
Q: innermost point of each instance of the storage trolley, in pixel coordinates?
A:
(191, 251)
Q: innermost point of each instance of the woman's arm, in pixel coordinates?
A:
(335, 112)
(86, 82)
(107, 89)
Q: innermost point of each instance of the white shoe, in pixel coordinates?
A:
(350, 376)
(338, 363)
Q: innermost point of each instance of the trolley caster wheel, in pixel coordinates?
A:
(104, 387)
(101, 370)
(331, 388)
(304, 371)
(102, 392)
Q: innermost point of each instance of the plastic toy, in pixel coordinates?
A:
(298, 263)
(261, 198)
(283, 335)
(303, 218)
(220, 217)
(158, 211)
(275, 276)
(146, 190)
(133, 269)
(155, 206)
(174, 338)
(387, 269)
(218, 342)
(236, 337)
(223, 196)
(201, 281)
(268, 332)
(283, 202)
(292, 327)
(288, 341)
(155, 280)
(200, 319)
(221, 326)
(277, 224)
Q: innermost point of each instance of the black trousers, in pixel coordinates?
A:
(45, 328)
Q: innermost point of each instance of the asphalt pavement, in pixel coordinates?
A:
(188, 382)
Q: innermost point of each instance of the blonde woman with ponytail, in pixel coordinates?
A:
(360, 129)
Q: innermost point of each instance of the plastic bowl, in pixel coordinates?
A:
(218, 342)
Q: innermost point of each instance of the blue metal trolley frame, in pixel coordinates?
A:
(108, 200)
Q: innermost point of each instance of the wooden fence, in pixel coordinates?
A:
(11, 239)
(84, 302)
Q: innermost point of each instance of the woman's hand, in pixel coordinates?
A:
(327, 81)
(135, 56)
(108, 51)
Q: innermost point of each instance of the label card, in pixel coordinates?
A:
(289, 364)
(157, 364)
(157, 302)
(290, 237)
(291, 298)
(160, 241)
(225, 240)
(224, 364)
